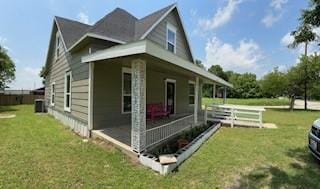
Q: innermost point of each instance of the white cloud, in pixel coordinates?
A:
(241, 58)
(221, 17)
(287, 39)
(27, 78)
(269, 19)
(277, 4)
(275, 12)
(83, 17)
(3, 43)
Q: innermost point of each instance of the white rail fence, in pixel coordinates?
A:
(158, 134)
(235, 115)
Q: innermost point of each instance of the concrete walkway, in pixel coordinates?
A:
(299, 104)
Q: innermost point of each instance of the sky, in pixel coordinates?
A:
(239, 35)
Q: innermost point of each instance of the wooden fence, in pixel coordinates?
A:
(10, 99)
(235, 115)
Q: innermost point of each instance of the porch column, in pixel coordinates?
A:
(224, 95)
(196, 101)
(138, 105)
(90, 97)
(214, 91)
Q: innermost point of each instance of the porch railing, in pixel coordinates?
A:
(235, 115)
(158, 134)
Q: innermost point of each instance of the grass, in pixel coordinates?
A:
(251, 101)
(36, 151)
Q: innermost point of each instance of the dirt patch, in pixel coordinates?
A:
(7, 116)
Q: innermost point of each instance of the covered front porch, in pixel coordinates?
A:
(154, 129)
(123, 87)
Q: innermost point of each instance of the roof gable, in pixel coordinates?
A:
(146, 23)
(172, 15)
(71, 30)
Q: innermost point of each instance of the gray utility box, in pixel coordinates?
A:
(39, 106)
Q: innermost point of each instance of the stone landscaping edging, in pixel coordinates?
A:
(152, 162)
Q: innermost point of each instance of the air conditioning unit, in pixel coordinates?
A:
(39, 106)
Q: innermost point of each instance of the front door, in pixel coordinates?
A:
(170, 96)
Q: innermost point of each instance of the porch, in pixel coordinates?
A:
(156, 130)
(122, 85)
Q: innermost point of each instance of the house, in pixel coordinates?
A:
(100, 79)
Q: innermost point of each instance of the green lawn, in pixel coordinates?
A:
(37, 152)
(253, 101)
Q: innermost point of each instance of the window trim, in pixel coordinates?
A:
(128, 71)
(194, 95)
(67, 109)
(52, 93)
(58, 47)
(174, 30)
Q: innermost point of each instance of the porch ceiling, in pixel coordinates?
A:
(149, 48)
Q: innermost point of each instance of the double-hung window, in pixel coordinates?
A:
(52, 94)
(126, 90)
(67, 92)
(191, 92)
(171, 38)
(58, 45)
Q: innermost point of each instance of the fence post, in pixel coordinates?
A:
(232, 117)
(260, 119)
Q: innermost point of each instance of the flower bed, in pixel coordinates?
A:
(152, 161)
(178, 142)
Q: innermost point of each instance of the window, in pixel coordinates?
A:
(171, 38)
(191, 92)
(52, 93)
(126, 90)
(58, 45)
(67, 92)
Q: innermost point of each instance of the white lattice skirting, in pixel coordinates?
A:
(75, 125)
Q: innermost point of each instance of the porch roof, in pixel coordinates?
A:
(150, 48)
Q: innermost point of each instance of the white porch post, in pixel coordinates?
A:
(224, 95)
(214, 91)
(90, 97)
(196, 101)
(138, 105)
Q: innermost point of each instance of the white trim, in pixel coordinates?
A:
(53, 93)
(175, 93)
(67, 109)
(128, 71)
(58, 48)
(157, 22)
(194, 88)
(96, 36)
(90, 95)
(58, 27)
(148, 47)
(173, 29)
(185, 34)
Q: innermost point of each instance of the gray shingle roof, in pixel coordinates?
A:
(71, 30)
(118, 24)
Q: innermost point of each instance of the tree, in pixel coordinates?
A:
(296, 77)
(244, 86)
(199, 63)
(218, 71)
(273, 84)
(7, 68)
(309, 19)
(42, 74)
(311, 15)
